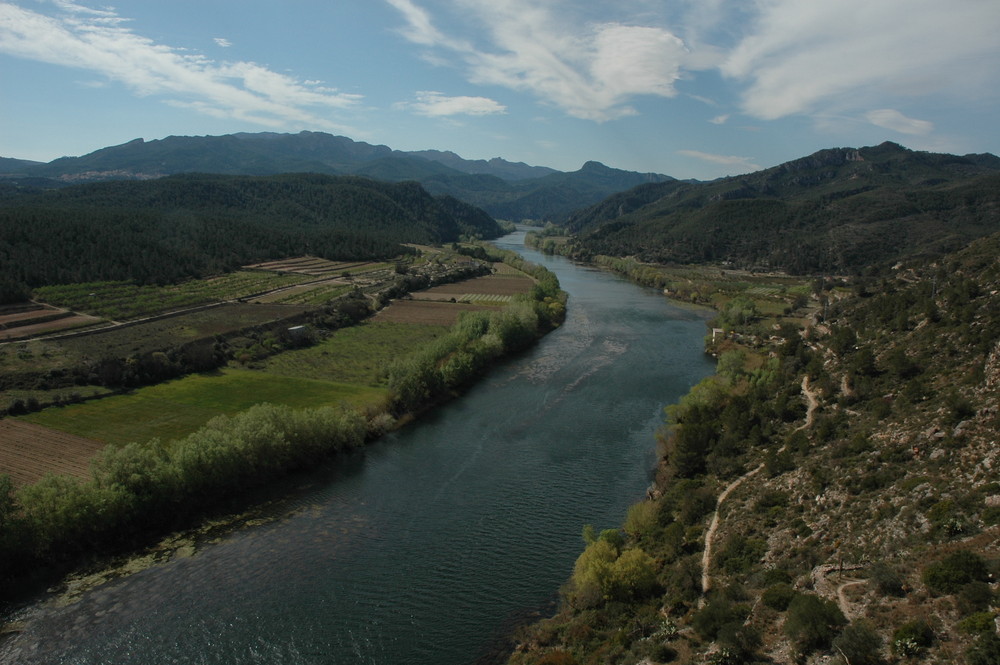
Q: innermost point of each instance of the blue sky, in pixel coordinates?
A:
(690, 88)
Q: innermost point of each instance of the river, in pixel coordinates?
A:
(432, 544)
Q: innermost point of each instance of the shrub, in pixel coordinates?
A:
(717, 613)
(980, 622)
(912, 637)
(739, 642)
(778, 596)
(975, 597)
(985, 650)
(812, 622)
(642, 519)
(859, 644)
(741, 554)
(776, 576)
(886, 579)
(955, 570)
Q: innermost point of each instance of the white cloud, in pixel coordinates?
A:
(419, 28)
(800, 56)
(590, 71)
(734, 164)
(97, 41)
(435, 104)
(897, 122)
(223, 42)
(719, 119)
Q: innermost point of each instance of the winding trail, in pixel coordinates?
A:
(706, 555)
(812, 403)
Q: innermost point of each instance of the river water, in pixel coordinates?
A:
(428, 547)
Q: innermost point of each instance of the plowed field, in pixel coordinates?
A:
(29, 451)
(426, 312)
(501, 285)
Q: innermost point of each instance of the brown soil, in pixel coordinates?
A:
(29, 451)
(500, 285)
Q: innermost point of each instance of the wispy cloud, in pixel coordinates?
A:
(590, 71)
(436, 104)
(223, 42)
(897, 122)
(734, 164)
(719, 119)
(800, 57)
(98, 41)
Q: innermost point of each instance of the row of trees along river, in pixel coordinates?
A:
(430, 546)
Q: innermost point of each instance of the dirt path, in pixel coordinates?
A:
(812, 403)
(842, 602)
(706, 555)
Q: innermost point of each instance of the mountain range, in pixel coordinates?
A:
(506, 190)
(839, 210)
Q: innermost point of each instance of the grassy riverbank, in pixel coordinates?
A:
(361, 381)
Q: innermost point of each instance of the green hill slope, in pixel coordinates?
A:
(839, 210)
(192, 225)
(831, 496)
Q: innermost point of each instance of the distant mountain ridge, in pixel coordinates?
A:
(508, 190)
(839, 210)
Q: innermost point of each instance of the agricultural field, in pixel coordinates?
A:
(126, 300)
(316, 267)
(173, 409)
(356, 355)
(442, 305)
(427, 312)
(490, 285)
(28, 451)
(345, 367)
(46, 324)
(317, 293)
(170, 331)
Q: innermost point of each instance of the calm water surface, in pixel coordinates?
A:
(429, 546)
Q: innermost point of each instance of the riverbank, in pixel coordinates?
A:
(139, 490)
(421, 547)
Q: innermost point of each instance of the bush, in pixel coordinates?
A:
(812, 622)
(739, 642)
(886, 579)
(912, 637)
(985, 650)
(778, 596)
(980, 622)
(949, 574)
(717, 613)
(740, 554)
(975, 597)
(859, 644)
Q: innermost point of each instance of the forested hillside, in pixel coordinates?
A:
(839, 210)
(830, 496)
(191, 225)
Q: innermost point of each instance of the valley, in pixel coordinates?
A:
(827, 495)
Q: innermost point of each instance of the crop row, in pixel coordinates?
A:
(485, 298)
(122, 300)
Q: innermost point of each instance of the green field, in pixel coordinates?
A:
(127, 300)
(346, 368)
(173, 409)
(355, 355)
